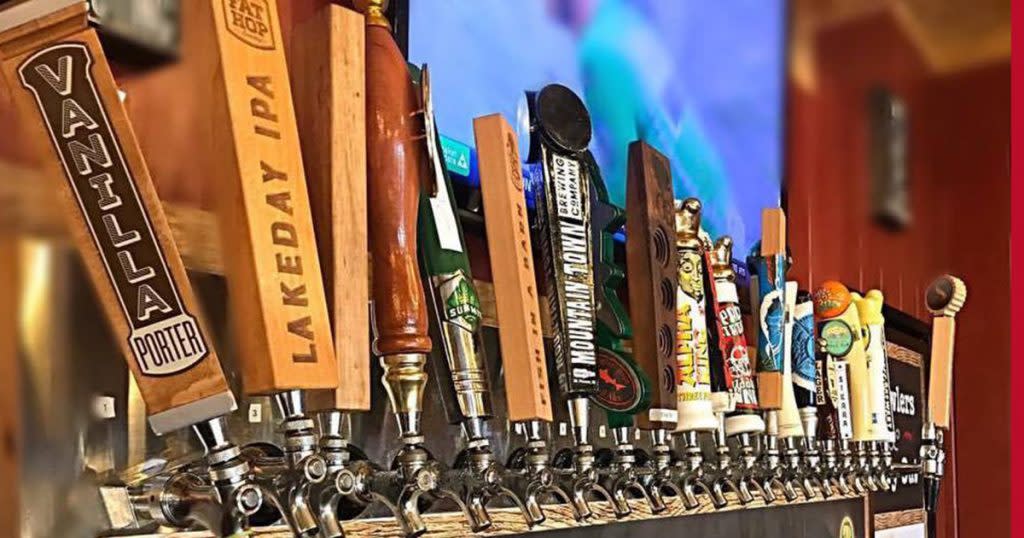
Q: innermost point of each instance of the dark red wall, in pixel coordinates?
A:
(959, 134)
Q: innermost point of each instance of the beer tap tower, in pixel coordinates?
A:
(882, 430)
(693, 381)
(653, 280)
(767, 265)
(275, 284)
(839, 333)
(945, 297)
(459, 362)
(744, 422)
(516, 296)
(623, 389)
(560, 132)
(61, 84)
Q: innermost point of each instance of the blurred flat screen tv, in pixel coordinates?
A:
(701, 81)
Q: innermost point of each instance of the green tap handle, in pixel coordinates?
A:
(623, 388)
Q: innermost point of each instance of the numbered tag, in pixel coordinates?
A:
(602, 432)
(636, 434)
(563, 429)
(255, 413)
(103, 407)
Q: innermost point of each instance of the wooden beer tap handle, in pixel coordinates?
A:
(396, 158)
(653, 278)
(515, 289)
(276, 288)
(945, 297)
(327, 64)
(62, 86)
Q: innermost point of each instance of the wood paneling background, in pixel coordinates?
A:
(958, 170)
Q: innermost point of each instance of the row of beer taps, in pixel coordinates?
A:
(803, 429)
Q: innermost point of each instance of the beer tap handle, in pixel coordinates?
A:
(839, 338)
(53, 62)
(768, 296)
(452, 297)
(515, 290)
(327, 64)
(560, 135)
(653, 279)
(623, 388)
(276, 288)
(945, 297)
(733, 344)
(803, 370)
(397, 171)
(789, 415)
(882, 428)
(693, 391)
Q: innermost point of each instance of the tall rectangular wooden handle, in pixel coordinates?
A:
(515, 289)
(61, 84)
(327, 64)
(272, 264)
(653, 276)
(940, 383)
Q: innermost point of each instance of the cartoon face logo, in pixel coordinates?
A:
(691, 275)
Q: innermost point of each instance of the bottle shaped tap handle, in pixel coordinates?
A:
(452, 297)
(62, 86)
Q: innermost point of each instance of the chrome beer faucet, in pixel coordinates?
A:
(477, 478)
(288, 480)
(622, 477)
(335, 491)
(727, 475)
(691, 473)
(661, 478)
(771, 459)
(530, 477)
(579, 478)
(218, 495)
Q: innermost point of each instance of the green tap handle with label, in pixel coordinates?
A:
(623, 388)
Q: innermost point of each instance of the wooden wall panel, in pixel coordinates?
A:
(958, 171)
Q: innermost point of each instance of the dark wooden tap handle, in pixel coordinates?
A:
(396, 166)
